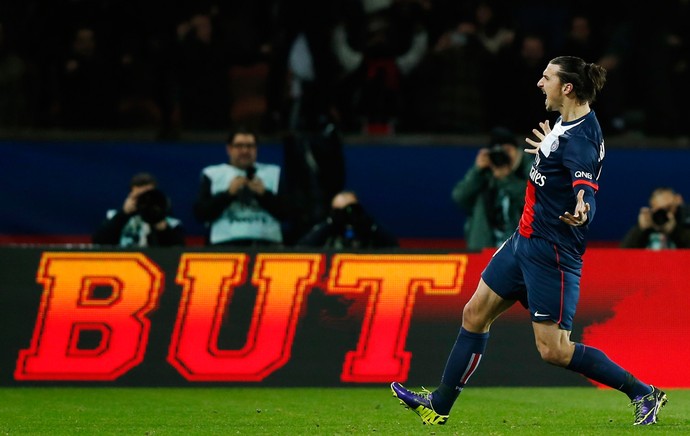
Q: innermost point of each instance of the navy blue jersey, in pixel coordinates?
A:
(569, 159)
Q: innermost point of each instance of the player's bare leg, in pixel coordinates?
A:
(483, 309)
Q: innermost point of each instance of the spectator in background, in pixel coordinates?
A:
(348, 226)
(13, 82)
(138, 53)
(143, 220)
(661, 225)
(657, 36)
(238, 201)
(492, 30)
(247, 32)
(84, 89)
(202, 75)
(492, 192)
(314, 164)
(525, 63)
(377, 49)
(455, 81)
(582, 39)
(302, 65)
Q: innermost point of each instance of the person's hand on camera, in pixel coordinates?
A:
(482, 160)
(644, 219)
(237, 184)
(130, 205)
(161, 225)
(669, 225)
(660, 220)
(256, 185)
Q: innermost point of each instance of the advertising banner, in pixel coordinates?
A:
(174, 317)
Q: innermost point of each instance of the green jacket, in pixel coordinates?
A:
(484, 198)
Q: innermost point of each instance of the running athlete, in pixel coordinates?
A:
(541, 263)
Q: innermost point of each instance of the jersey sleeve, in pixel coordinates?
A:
(582, 159)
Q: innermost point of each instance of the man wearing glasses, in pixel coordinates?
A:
(238, 201)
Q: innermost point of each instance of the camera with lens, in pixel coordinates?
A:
(498, 156)
(153, 206)
(352, 217)
(660, 217)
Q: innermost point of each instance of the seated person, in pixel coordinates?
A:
(662, 225)
(238, 201)
(348, 226)
(143, 220)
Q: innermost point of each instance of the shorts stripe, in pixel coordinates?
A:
(558, 262)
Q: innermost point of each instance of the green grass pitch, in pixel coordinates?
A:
(328, 411)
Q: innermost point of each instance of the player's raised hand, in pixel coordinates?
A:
(581, 209)
(545, 130)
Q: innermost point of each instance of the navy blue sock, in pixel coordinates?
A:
(594, 364)
(462, 362)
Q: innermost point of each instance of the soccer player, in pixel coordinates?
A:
(541, 263)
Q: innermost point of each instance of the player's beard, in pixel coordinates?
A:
(550, 105)
(553, 103)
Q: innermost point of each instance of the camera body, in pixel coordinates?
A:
(251, 172)
(153, 206)
(660, 217)
(499, 157)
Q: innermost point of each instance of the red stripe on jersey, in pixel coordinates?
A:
(585, 182)
(527, 217)
(471, 367)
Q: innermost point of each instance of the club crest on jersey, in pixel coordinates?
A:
(549, 144)
(554, 145)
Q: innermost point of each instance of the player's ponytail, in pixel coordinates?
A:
(597, 75)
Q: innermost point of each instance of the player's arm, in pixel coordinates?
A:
(208, 206)
(582, 159)
(584, 207)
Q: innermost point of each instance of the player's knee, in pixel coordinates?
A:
(553, 355)
(473, 319)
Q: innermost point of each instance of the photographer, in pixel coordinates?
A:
(492, 192)
(143, 220)
(239, 201)
(348, 226)
(662, 225)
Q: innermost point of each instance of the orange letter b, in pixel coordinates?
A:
(71, 309)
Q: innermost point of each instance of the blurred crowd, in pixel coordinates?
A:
(373, 66)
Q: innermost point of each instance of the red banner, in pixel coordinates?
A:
(228, 317)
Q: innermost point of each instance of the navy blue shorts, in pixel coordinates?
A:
(545, 279)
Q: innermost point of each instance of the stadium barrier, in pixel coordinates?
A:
(168, 317)
(59, 191)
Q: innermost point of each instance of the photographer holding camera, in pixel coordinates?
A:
(348, 226)
(662, 225)
(143, 220)
(492, 192)
(239, 201)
